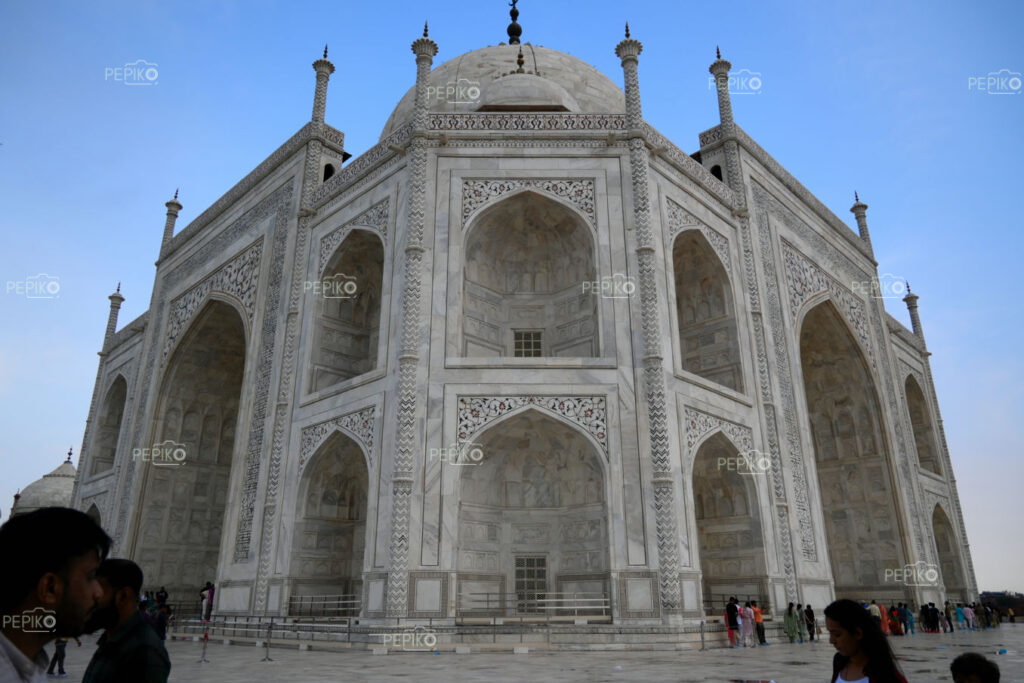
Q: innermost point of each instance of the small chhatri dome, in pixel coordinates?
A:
(51, 490)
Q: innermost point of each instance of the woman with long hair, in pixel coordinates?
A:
(801, 623)
(863, 654)
(789, 623)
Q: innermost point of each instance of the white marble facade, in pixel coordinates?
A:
(522, 330)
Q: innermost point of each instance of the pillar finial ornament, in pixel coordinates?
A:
(323, 69)
(720, 70)
(425, 30)
(915, 318)
(514, 29)
(860, 209)
(173, 207)
(69, 454)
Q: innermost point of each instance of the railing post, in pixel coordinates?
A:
(701, 635)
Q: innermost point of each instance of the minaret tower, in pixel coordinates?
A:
(115, 306)
(323, 69)
(173, 207)
(860, 210)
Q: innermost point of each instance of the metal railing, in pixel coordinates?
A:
(324, 606)
(536, 606)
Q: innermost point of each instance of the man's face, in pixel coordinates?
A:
(81, 591)
(106, 613)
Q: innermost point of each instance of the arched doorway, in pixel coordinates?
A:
(94, 514)
(348, 311)
(921, 421)
(858, 502)
(532, 517)
(948, 550)
(708, 342)
(186, 490)
(109, 426)
(528, 282)
(730, 539)
(330, 528)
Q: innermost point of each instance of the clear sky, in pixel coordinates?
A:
(872, 96)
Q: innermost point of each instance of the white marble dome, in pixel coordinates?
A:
(51, 490)
(553, 81)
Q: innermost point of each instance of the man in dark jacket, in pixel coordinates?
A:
(129, 651)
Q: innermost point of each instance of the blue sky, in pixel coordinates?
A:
(866, 96)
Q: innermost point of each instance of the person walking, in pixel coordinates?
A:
(961, 620)
(801, 623)
(1009, 611)
(943, 621)
(875, 612)
(910, 621)
(863, 654)
(209, 601)
(747, 627)
(161, 597)
(59, 652)
(789, 623)
(969, 616)
(948, 611)
(894, 621)
(808, 615)
(758, 622)
(732, 622)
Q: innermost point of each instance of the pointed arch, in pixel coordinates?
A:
(547, 413)
(533, 512)
(949, 551)
(921, 424)
(329, 539)
(529, 263)
(853, 462)
(104, 451)
(348, 310)
(705, 311)
(178, 538)
(728, 519)
(94, 514)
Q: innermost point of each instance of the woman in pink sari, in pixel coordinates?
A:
(747, 628)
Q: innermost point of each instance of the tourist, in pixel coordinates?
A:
(1009, 611)
(808, 615)
(758, 622)
(161, 596)
(903, 610)
(747, 626)
(801, 623)
(971, 667)
(969, 616)
(129, 649)
(789, 623)
(910, 621)
(895, 627)
(876, 613)
(862, 651)
(943, 621)
(159, 622)
(948, 610)
(59, 652)
(961, 620)
(732, 621)
(49, 559)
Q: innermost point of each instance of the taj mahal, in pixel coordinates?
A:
(523, 349)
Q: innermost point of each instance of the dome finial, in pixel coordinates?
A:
(325, 50)
(69, 455)
(627, 29)
(718, 53)
(520, 61)
(514, 29)
(425, 30)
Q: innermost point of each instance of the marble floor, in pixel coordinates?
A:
(924, 658)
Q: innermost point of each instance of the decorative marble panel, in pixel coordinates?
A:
(477, 192)
(376, 217)
(680, 219)
(699, 423)
(360, 425)
(590, 412)
(238, 277)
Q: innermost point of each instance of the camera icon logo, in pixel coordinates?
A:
(1004, 82)
(140, 72)
(42, 286)
(39, 620)
(339, 286)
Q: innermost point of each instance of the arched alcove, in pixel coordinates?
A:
(348, 306)
(708, 340)
(949, 552)
(528, 282)
(186, 487)
(730, 539)
(330, 521)
(858, 501)
(109, 426)
(94, 514)
(921, 421)
(532, 515)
